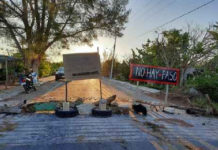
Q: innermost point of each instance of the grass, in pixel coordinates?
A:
(215, 105)
(202, 103)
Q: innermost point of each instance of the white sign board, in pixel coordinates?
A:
(80, 66)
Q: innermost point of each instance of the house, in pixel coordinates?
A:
(5, 61)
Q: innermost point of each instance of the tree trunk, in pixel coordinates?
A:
(27, 65)
(35, 65)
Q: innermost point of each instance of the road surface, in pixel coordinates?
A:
(157, 130)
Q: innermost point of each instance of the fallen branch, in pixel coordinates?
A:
(109, 100)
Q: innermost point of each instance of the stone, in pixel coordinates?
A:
(193, 92)
(116, 110)
(85, 109)
(66, 106)
(169, 110)
(102, 104)
(124, 109)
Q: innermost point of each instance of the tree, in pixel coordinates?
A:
(37, 25)
(106, 64)
(214, 34)
(177, 49)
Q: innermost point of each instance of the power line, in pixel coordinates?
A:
(142, 10)
(176, 18)
(146, 10)
(160, 10)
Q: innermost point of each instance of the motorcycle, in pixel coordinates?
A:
(27, 83)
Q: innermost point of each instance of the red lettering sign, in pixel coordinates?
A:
(154, 74)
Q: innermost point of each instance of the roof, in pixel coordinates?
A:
(3, 57)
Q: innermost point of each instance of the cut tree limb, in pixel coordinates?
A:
(109, 100)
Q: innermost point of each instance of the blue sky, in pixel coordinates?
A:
(148, 14)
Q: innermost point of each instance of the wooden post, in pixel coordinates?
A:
(100, 89)
(66, 92)
(137, 83)
(6, 72)
(166, 94)
(137, 90)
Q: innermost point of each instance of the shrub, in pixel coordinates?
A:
(44, 69)
(55, 66)
(207, 83)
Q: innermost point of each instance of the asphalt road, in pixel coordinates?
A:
(157, 130)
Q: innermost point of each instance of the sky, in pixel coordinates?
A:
(147, 15)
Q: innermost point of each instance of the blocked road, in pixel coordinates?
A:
(157, 130)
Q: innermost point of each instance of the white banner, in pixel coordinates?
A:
(80, 66)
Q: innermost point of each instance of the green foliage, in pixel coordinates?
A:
(123, 70)
(177, 49)
(58, 23)
(55, 66)
(44, 69)
(47, 68)
(214, 33)
(212, 65)
(202, 102)
(206, 83)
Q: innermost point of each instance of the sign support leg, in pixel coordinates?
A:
(100, 89)
(166, 94)
(137, 90)
(137, 83)
(66, 92)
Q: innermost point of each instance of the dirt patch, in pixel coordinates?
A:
(176, 122)
(176, 98)
(87, 90)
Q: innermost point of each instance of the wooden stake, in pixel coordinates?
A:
(137, 83)
(100, 88)
(66, 92)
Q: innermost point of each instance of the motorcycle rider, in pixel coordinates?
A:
(30, 80)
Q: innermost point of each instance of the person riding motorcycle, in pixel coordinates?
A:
(28, 80)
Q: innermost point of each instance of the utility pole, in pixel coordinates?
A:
(112, 63)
